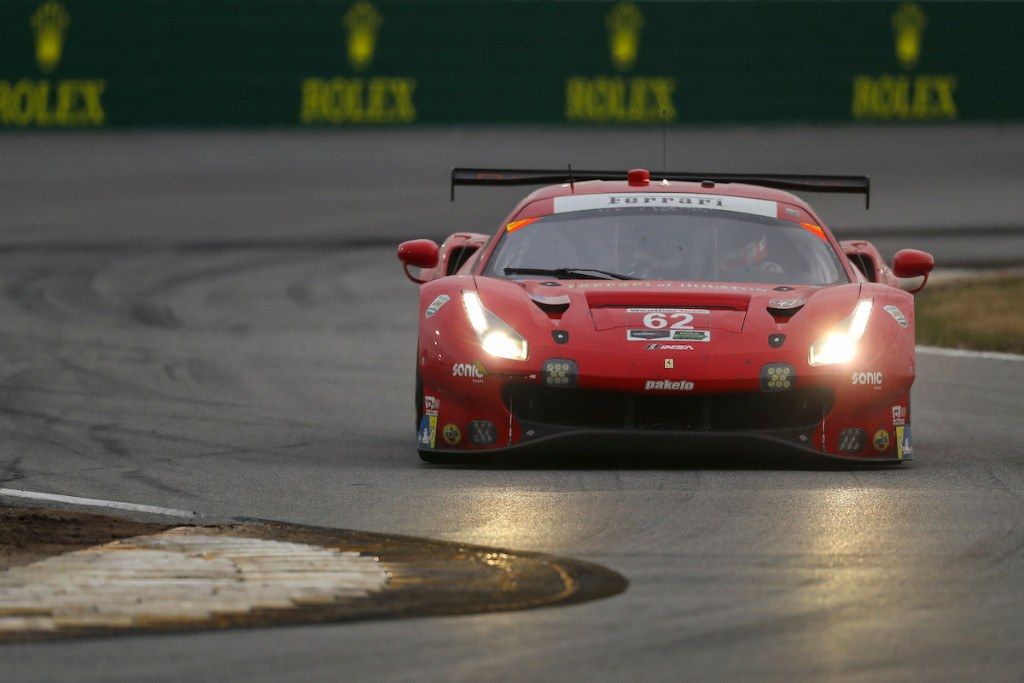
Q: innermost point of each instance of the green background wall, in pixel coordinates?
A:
(291, 62)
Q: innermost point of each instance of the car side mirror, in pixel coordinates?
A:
(418, 254)
(913, 263)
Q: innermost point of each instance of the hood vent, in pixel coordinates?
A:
(554, 305)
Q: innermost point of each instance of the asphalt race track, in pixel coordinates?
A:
(213, 322)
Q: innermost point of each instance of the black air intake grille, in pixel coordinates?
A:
(713, 412)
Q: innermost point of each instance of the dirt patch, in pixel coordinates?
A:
(31, 534)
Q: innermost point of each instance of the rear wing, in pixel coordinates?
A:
(837, 184)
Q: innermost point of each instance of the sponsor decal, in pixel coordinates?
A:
(357, 99)
(691, 335)
(451, 434)
(866, 378)
(668, 347)
(777, 377)
(668, 318)
(899, 415)
(621, 98)
(670, 363)
(904, 448)
(427, 435)
(431, 405)
(632, 200)
(785, 304)
(475, 370)
(436, 304)
(59, 103)
(897, 315)
(668, 385)
(881, 440)
(669, 335)
(908, 96)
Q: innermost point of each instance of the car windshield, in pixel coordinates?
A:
(666, 243)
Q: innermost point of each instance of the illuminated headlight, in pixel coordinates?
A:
(839, 345)
(496, 337)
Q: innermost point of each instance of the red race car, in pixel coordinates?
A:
(687, 312)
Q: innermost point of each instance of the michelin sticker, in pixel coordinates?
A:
(436, 304)
(897, 315)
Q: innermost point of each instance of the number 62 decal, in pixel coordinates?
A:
(668, 318)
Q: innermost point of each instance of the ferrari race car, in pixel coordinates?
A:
(687, 312)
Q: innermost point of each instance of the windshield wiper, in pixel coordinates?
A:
(565, 273)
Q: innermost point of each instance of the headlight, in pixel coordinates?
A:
(839, 345)
(496, 337)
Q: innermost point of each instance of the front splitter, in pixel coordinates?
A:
(704, 446)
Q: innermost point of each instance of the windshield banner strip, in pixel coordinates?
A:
(632, 200)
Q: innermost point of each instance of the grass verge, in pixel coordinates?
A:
(984, 314)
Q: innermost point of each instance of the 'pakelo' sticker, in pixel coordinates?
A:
(668, 385)
(897, 315)
(436, 304)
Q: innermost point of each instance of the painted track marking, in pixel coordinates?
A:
(965, 353)
(97, 502)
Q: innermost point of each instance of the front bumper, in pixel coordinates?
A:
(598, 443)
(813, 420)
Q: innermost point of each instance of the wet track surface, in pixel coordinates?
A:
(174, 336)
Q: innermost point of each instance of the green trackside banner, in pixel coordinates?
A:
(93, 63)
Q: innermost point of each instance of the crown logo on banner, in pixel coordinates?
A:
(362, 22)
(908, 29)
(50, 25)
(624, 24)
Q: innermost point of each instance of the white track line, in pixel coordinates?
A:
(964, 353)
(96, 502)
